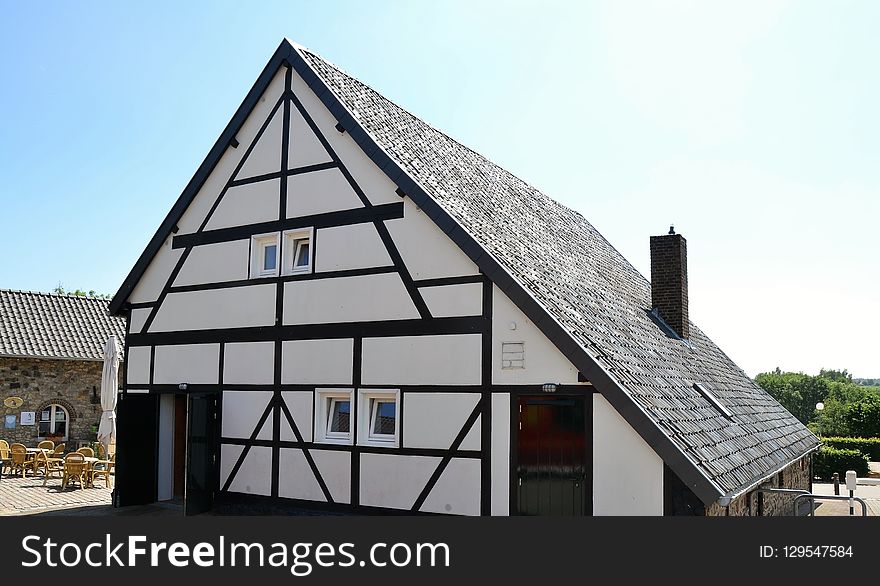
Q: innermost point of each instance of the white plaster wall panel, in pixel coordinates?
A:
(247, 204)
(242, 411)
(157, 274)
(255, 474)
(422, 360)
(426, 250)
(500, 454)
(139, 318)
(543, 361)
(335, 469)
(350, 247)
(295, 477)
(300, 405)
(457, 491)
(347, 299)
(215, 263)
(394, 481)
(432, 420)
(165, 452)
(236, 307)
(195, 214)
(249, 363)
(472, 440)
(138, 365)
(319, 192)
(187, 363)
(627, 473)
(374, 183)
(326, 362)
(265, 157)
(304, 148)
(454, 300)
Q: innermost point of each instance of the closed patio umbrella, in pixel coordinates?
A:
(109, 387)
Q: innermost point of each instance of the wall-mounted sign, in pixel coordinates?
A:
(9, 422)
(13, 402)
(28, 417)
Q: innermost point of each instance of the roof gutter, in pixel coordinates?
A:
(732, 496)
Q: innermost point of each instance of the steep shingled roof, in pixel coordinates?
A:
(588, 300)
(595, 293)
(47, 325)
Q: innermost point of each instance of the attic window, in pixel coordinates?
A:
(297, 251)
(264, 255)
(703, 390)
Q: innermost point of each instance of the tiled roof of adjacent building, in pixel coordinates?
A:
(588, 299)
(48, 325)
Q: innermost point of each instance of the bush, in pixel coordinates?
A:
(870, 446)
(829, 460)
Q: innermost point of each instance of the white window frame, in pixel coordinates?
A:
(258, 244)
(53, 408)
(290, 239)
(366, 417)
(324, 399)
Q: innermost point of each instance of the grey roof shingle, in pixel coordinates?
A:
(595, 293)
(47, 325)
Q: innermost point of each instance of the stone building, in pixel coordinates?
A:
(51, 359)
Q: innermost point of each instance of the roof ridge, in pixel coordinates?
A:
(54, 294)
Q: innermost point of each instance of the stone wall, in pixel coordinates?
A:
(39, 383)
(796, 475)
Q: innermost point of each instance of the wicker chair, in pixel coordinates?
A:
(21, 460)
(50, 465)
(58, 452)
(103, 468)
(87, 452)
(46, 445)
(74, 469)
(5, 457)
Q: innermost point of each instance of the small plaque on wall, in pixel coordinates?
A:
(9, 422)
(13, 402)
(28, 417)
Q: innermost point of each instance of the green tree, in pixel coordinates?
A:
(797, 392)
(863, 416)
(836, 375)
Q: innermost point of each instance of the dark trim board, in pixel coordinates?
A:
(514, 390)
(283, 279)
(352, 448)
(236, 503)
(367, 329)
(388, 211)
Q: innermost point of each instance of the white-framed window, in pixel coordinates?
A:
(265, 255)
(333, 416)
(298, 251)
(53, 422)
(378, 413)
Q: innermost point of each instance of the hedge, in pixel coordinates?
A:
(870, 446)
(829, 460)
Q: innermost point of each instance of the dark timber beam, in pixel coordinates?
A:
(390, 211)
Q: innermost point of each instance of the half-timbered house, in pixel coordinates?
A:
(347, 308)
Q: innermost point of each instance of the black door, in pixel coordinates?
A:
(202, 458)
(136, 436)
(551, 456)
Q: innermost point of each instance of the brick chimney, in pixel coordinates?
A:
(669, 280)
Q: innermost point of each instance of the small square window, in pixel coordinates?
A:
(333, 412)
(298, 251)
(264, 255)
(378, 417)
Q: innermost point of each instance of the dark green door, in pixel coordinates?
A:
(202, 457)
(551, 472)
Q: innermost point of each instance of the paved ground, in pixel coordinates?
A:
(28, 496)
(871, 495)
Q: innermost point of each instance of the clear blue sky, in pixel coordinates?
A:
(753, 126)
